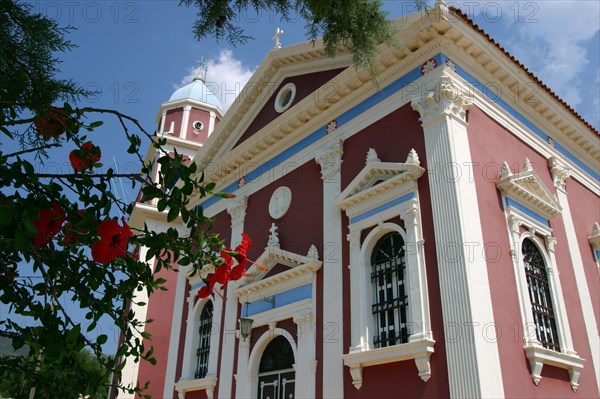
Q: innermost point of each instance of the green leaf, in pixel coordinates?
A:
(101, 340)
(173, 213)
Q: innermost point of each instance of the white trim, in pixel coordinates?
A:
(419, 351)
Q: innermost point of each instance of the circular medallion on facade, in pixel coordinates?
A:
(285, 97)
(280, 202)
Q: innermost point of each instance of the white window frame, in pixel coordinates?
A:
(255, 286)
(520, 227)
(188, 382)
(373, 197)
(527, 202)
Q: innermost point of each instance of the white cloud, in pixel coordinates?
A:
(225, 77)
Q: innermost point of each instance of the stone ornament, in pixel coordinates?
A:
(280, 202)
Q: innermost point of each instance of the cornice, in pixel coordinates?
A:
(421, 38)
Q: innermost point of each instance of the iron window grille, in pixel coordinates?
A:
(204, 332)
(390, 303)
(539, 295)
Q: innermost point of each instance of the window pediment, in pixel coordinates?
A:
(378, 179)
(527, 188)
(300, 271)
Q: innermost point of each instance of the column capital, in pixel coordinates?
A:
(447, 98)
(330, 159)
(304, 322)
(560, 173)
(409, 216)
(237, 210)
(354, 239)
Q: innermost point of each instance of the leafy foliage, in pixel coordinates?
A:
(79, 375)
(59, 239)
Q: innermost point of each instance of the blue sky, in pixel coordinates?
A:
(136, 53)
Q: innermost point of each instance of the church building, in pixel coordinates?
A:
(434, 234)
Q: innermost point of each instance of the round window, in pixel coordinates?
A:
(285, 97)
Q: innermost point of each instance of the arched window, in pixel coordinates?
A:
(204, 331)
(539, 295)
(276, 376)
(389, 297)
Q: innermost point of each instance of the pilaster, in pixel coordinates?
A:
(243, 391)
(185, 121)
(330, 161)
(237, 211)
(305, 362)
(473, 362)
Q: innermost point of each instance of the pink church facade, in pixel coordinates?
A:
(432, 236)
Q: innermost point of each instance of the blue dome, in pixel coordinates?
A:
(196, 90)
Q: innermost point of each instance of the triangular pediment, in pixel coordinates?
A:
(379, 177)
(257, 278)
(527, 188)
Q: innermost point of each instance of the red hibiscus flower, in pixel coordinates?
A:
(207, 289)
(85, 158)
(113, 241)
(48, 224)
(52, 124)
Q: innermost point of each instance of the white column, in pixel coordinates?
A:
(162, 122)
(185, 121)
(186, 369)
(243, 383)
(237, 211)
(330, 161)
(211, 122)
(305, 362)
(473, 362)
(560, 174)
